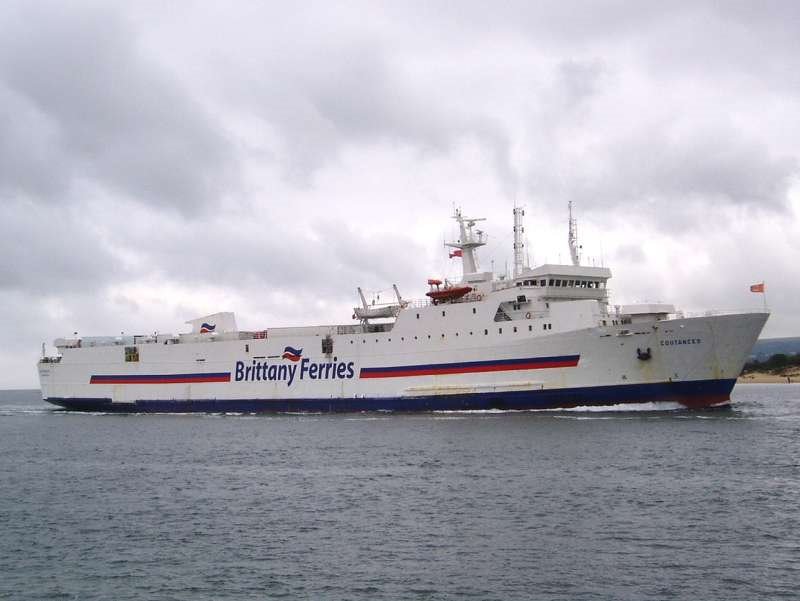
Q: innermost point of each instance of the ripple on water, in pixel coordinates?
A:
(591, 503)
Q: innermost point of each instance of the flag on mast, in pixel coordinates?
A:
(757, 287)
(456, 253)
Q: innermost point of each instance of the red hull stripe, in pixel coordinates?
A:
(470, 367)
(161, 378)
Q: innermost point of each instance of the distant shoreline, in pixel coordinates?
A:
(759, 377)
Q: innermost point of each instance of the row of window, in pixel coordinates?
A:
(545, 326)
(557, 283)
(474, 312)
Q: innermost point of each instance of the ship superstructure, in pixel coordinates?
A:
(548, 337)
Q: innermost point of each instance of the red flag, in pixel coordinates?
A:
(456, 253)
(757, 288)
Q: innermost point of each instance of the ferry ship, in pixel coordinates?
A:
(543, 338)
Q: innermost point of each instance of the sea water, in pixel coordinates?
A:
(614, 504)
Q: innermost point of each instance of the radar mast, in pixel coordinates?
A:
(519, 244)
(574, 248)
(468, 241)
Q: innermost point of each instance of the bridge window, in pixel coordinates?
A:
(572, 283)
(550, 283)
(542, 282)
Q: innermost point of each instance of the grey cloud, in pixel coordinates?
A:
(326, 262)
(52, 250)
(669, 176)
(355, 94)
(713, 165)
(630, 253)
(100, 110)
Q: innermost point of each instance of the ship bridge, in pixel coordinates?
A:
(566, 282)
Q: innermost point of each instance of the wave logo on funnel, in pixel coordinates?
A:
(207, 327)
(292, 354)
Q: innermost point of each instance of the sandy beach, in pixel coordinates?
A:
(790, 376)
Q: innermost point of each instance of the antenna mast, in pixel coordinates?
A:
(574, 249)
(519, 244)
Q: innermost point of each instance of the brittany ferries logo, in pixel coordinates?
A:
(292, 354)
(299, 367)
(207, 327)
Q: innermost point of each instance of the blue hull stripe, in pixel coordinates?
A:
(466, 367)
(700, 393)
(160, 378)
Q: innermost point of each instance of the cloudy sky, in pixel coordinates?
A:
(162, 161)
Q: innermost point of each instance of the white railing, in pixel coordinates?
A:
(716, 312)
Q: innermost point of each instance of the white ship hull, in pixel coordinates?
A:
(546, 338)
(449, 358)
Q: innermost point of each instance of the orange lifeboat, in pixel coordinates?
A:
(447, 293)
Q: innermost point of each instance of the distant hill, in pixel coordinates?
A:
(766, 347)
